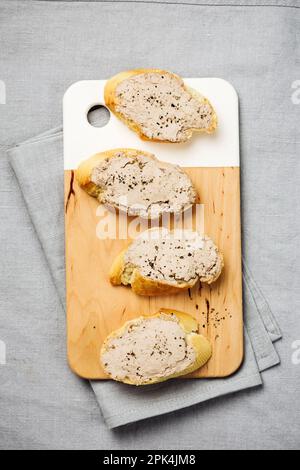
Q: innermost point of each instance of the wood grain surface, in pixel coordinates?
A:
(95, 307)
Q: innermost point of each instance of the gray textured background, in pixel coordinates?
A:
(45, 46)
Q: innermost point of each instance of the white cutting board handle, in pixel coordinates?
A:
(81, 139)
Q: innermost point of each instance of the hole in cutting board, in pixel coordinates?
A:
(98, 116)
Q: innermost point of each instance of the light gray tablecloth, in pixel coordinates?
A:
(38, 165)
(45, 46)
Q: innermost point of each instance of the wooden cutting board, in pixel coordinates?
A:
(94, 306)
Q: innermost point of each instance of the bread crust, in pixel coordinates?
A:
(145, 286)
(200, 344)
(140, 284)
(83, 173)
(111, 102)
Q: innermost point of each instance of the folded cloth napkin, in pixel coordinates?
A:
(38, 165)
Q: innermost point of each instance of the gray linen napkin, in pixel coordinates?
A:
(38, 166)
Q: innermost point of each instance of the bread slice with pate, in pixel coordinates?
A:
(158, 105)
(152, 349)
(160, 261)
(136, 182)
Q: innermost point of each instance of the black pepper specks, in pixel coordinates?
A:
(174, 111)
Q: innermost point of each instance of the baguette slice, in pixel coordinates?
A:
(136, 182)
(158, 105)
(160, 262)
(155, 348)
